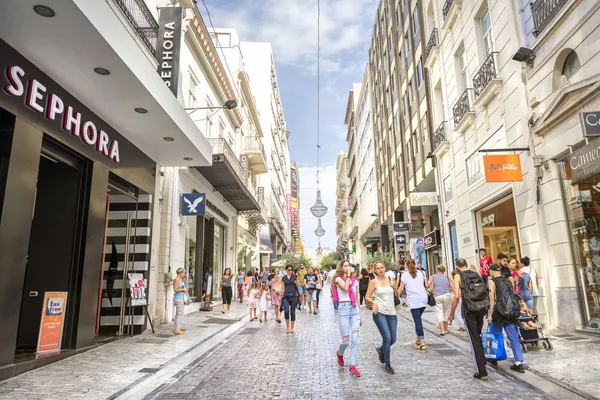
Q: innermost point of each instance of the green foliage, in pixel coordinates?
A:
(296, 261)
(327, 260)
(386, 257)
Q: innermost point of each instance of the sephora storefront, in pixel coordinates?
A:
(75, 209)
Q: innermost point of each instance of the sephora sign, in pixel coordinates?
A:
(42, 101)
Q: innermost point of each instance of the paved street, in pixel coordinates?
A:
(228, 357)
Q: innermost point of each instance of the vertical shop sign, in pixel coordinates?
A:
(288, 204)
(244, 163)
(294, 183)
(53, 321)
(168, 46)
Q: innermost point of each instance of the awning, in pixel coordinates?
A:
(266, 247)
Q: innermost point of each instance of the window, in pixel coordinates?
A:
(415, 24)
(403, 56)
(415, 143)
(461, 60)
(571, 65)
(221, 130)
(419, 74)
(448, 194)
(192, 91)
(406, 104)
(486, 31)
(474, 168)
(414, 88)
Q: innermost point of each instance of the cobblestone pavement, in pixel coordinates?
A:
(262, 361)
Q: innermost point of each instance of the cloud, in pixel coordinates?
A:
(308, 193)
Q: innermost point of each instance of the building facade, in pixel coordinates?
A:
(341, 204)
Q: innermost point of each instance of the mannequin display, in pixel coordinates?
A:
(586, 246)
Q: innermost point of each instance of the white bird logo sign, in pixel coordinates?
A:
(192, 206)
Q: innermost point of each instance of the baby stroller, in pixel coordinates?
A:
(532, 335)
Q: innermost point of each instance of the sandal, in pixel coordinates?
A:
(420, 345)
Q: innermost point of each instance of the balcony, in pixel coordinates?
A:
(432, 50)
(450, 11)
(228, 177)
(142, 21)
(486, 83)
(441, 142)
(544, 11)
(463, 112)
(255, 151)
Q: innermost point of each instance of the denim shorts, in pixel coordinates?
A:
(302, 289)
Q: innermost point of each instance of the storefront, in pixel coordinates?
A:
(497, 223)
(76, 201)
(432, 241)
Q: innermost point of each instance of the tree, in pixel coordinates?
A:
(295, 261)
(386, 257)
(328, 260)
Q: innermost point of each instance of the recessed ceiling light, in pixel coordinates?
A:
(168, 139)
(188, 158)
(101, 71)
(140, 110)
(44, 11)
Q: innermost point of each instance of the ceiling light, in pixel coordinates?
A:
(168, 139)
(188, 158)
(101, 71)
(140, 110)
(44, 11)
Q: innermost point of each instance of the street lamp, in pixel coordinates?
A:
(229, 105)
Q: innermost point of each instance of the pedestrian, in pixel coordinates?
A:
(226, 290)
(469, 287)
(527, 269)
(264, 297)
(264, 276)
(458, 319)
(401, 272)
(250, 281)
(416, 296)
(363, 284)
(290, 298)
(484, 264)
(310, 282)
(330, 279)
(276, 293)
(515, 273)
(302, 271)
(504, 314)
(179, 300)
(443, 291)
(252, 297)
(380, 295)
(348, 314)
(503, 262)
(319, 284)
(271, 276)
(241, 278)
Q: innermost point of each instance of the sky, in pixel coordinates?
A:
(291, 27)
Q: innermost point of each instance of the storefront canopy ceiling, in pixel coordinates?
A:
(86, 34)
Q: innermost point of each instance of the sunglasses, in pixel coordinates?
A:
(289, 269)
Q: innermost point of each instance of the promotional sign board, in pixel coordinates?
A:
(401, 239)
(138, 289)
(418, 199)
(590, 122)
(432, 239)
(503, 168)
(402, 226)
(419, 253)
(168, 46)
(193, 204)
(584, 162)
(53, 321)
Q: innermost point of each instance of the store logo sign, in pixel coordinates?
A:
(38, 100)
(585, 162)
(590, 122)
(423, 199)
(503, 168)
(169, 45)
(193, 204)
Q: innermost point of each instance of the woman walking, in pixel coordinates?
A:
(226, 290)
(443, 291)
(179, 300)
(533, 288)
(348, 314)
(416, 297)
(364, 278)
(277, 289)
(380, 295)
(515, 273)
(290, 298)
(241, 278)
(319, 284)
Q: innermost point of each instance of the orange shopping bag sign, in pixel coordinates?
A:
(503, 168)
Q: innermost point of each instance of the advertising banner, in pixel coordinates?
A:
(294, 182)
(53, 321)
(288, 204)
(503, 168)
(168, 45)
(138, 289)
(419, 253)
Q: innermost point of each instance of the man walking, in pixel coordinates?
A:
(503, 262)
(484, 265)
(310, 279)
(469, 286)
(504, 313)
(302, 285)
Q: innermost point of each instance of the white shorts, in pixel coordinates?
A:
(311, 295)
(443, 307)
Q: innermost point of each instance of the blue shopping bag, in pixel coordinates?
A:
(493, 345)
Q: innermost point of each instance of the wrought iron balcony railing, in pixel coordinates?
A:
(484, 76)
(440, 135)
(446, 8)
(220, 146)
(462, 107)
(141, 19)
(433, 41)
(544, 11)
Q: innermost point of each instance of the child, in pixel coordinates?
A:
(252, 294)
(527, 322)
(264, 297)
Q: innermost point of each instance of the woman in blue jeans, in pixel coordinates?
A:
(380, 294)
(289, 301)
(416, 297)
(346, 288)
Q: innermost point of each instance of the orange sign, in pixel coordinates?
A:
(53, 320)
(503, 168)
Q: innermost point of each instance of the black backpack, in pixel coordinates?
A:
(475, 296)
(507, 301)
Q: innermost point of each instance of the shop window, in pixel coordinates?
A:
(498, 224)
(190, 257)
(448, 193)
(453, 242)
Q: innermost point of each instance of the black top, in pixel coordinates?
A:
(311, 281)
(290, 285)
(505, 272)
(271, 276)
(363, 284)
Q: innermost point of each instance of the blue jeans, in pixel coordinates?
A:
(416, 314)
(512, 333)
(349, 319)
(387, 325)
(289, 304)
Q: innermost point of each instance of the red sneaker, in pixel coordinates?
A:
(354, 371)
(340, 359)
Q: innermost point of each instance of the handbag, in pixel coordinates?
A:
(186, 299)
(431, 299)
(493, 345)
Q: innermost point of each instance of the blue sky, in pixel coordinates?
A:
(291, 27)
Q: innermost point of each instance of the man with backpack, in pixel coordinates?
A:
(469, 286)
(504, 313)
